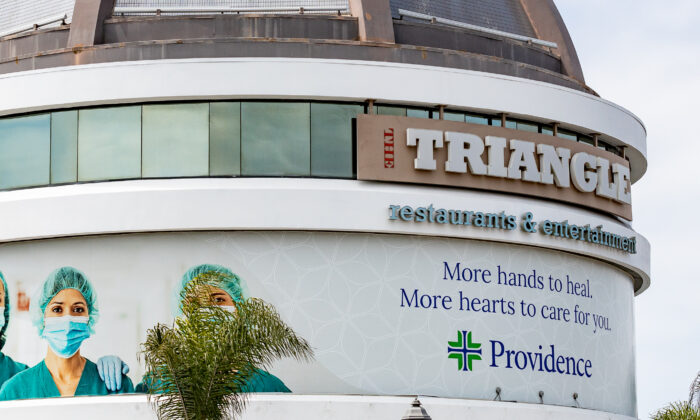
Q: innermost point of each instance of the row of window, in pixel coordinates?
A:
(249, 138)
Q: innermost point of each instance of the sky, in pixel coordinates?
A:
(645, 56)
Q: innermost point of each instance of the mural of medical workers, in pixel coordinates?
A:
(225, 290)
(65, 312)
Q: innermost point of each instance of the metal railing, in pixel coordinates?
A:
(450, 22)
(34, 26)
(340, 10)
(176, 7)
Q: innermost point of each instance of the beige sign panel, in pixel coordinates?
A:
(383, 154)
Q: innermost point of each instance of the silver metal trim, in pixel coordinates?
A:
(457, 24)
(34, 26)
(206, 9)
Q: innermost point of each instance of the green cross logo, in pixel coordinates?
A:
(464, 350)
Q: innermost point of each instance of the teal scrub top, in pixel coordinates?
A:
(265, 382)
(37, 382)
(9, 368)
(261, 382)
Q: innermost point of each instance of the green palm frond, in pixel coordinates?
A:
(677, 411)
(199, 367)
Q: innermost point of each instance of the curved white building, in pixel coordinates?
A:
(427, 191)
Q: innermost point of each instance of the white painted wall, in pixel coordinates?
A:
(288, 204)
(312, 407)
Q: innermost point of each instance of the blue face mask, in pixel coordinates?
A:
(65, 334)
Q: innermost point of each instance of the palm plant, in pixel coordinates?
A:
(694, 397)
(198, 368)
(683, 410)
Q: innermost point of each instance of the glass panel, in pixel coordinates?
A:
(24, 151)
(225, 138)
(331, 139)
(496, 122)
(585, 139)
(477, 119)
(613, 149)
(454, 116)
(533, 128)
(566, 135)
(109, 143)
(546, 129)
(391, 110)
(175, 140)
(511, 124)
(275, 138)
(64, 147)
(418, 113)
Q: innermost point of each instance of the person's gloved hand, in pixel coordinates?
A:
(111, 369)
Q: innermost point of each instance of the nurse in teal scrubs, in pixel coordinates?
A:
(226, 293)
(8, 367)
(110, 368)
(65, 312)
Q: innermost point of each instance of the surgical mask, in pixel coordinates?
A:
(2, 317)
(66, 333)
(210, 309)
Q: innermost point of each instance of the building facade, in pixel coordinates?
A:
(428, 192)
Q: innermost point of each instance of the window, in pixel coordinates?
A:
(523, 126)
(331, 139)
(24, 151)
(222, 138)
(417, 113)
(569, 135)
(175, 140)
(547, 129)
(477, 119)
(225, 139)
(64, 147)
(585, 139)
(391, 110)
(275, 139)
(454, 116)
(109, 143)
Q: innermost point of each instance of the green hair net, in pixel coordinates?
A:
(60, 279)
(3, 329)
(227, 280)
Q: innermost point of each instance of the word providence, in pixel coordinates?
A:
(586, 172)
(595, 235)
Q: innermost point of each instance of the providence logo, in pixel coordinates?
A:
(464, 350)
(501, 355)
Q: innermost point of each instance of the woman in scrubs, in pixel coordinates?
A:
(8, 367)
(226, 293)
(65, 312)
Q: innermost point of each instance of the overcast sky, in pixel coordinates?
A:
(645, 56)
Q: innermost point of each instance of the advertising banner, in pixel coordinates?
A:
(385, 314)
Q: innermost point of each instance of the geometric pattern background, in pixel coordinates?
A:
(341, 291)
